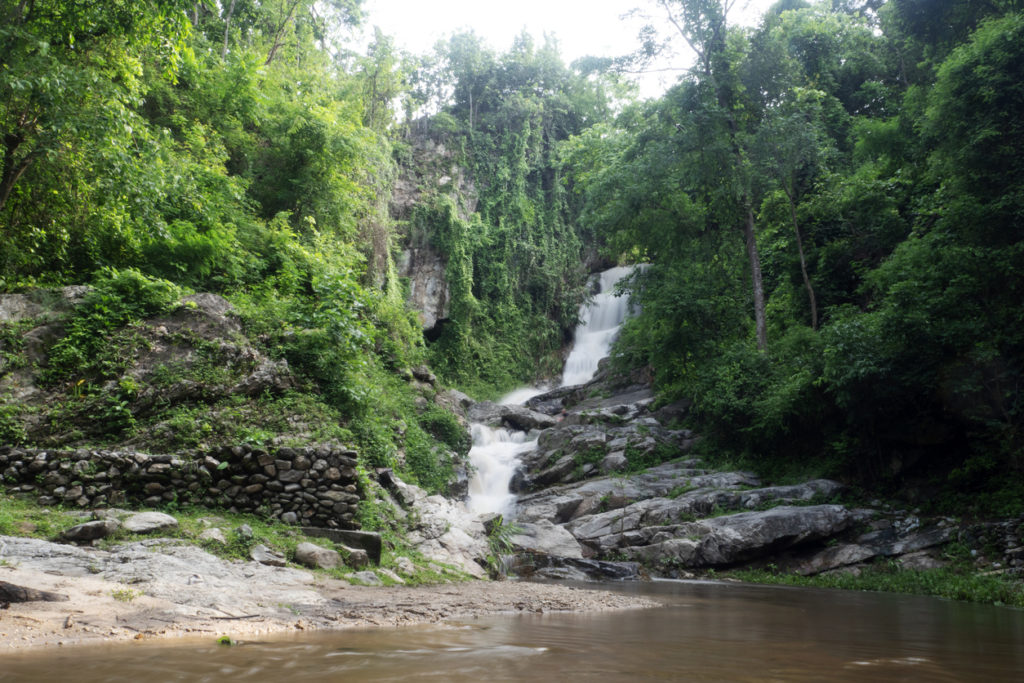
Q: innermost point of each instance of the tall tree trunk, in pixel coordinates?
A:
(227, 28)
(760, 319)
(803, 262)
(280, 30)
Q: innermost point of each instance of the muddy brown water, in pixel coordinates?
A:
(704, 632)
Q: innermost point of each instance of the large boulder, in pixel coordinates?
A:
(731, 539)
(149, 522)
(516, 417)
(317, 557)
(547, 538)
(367, 541)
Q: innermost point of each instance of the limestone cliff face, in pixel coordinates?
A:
(430, 168)
(428, 287)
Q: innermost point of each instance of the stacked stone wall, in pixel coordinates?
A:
(313, 486)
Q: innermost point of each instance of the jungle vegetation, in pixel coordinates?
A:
(831, 203)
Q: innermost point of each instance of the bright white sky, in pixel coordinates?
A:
(582, 27)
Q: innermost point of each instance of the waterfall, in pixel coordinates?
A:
(494, 456)
(600, 321)
(495, 452)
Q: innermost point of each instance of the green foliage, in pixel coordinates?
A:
(513, 267)
(890, 193)
(952, 584)
(499, 542)
(125, 594)
(97, 344)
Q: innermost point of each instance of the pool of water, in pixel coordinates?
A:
(704, 632)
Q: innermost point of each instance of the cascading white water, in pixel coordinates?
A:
(495, 452)
(494, 456)
(600, 320)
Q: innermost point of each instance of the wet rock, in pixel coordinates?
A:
(317, 557)
(264, 555)
(516, 417)
(149, 522)
(548, 566)
(91, 531)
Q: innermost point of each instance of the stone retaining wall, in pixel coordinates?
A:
(314, 486)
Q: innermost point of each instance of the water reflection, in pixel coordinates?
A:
(705, 632)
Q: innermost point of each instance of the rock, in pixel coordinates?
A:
(553, 402)
(391, 575)
(614, 462)
(264, 555)
(423, 374)
(368, 578)
(443, 532)
(886, 541)
(547, 566)
(175, 571)
(547, 538)
(317, 557)
(405, 565)
(731, 539)
(149, 522)
(921, 560)
(244, 532)
(271, 376)
(356, 557)
(428, 286)
(10, 592)
(215, 534)
(516, 417)
(91, 531)
(368, 541)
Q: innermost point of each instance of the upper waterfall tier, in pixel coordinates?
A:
(600, 320)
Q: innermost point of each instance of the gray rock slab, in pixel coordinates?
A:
(548, 538)
(172, 570)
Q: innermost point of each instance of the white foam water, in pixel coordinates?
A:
(600, 321)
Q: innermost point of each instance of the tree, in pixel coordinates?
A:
(702, 25)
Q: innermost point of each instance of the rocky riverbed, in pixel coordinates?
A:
(167, 588)
(612, 492)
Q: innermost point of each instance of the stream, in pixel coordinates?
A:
(705, 631)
